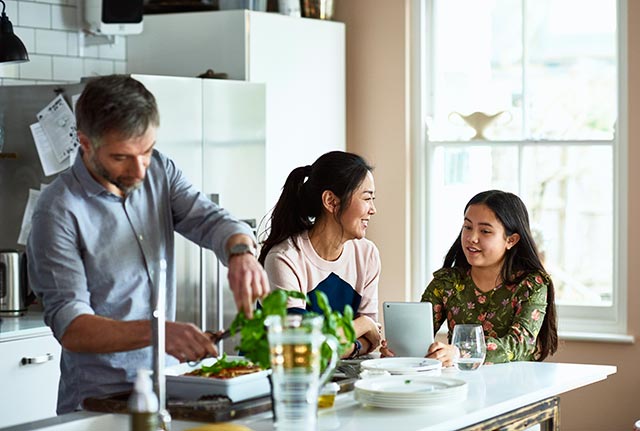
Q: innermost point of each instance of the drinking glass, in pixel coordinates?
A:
(295, 343)
(469, 339)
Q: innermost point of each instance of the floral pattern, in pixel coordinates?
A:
(510, 314)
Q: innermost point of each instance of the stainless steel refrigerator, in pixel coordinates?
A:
(215, 132)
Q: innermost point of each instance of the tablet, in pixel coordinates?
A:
(408, 328)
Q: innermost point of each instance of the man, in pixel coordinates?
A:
(99, 232)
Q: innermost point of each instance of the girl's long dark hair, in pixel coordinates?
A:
(300, 203)
(519, 261)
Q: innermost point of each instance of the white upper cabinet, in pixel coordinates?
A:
(301, 61)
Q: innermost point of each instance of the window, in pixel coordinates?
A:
(526, 96)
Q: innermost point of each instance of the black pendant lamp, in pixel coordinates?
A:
(12, 49)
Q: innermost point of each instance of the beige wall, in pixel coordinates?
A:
(377, 119)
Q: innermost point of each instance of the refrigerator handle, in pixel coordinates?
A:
(203, 290)
(215, 198)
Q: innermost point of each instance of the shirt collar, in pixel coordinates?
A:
(82, 174)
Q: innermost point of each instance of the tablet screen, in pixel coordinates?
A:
(408, 328)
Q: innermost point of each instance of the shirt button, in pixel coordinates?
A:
(140, 237)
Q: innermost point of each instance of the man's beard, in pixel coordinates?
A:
(100, 170)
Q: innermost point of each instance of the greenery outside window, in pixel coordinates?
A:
(528, 97)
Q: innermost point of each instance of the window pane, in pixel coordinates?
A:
(566, 60)
(478, 59)
(568, 192)
(571, 69)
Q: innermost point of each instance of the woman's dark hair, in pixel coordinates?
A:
(115, 103)
(300, 203)
(519, 261)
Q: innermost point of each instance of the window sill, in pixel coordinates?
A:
(596, 337)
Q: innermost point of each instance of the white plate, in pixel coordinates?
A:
(194, 387)
(410, 391)
(401, 365)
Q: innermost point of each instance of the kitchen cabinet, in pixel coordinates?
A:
(301, 61)
(29, 372)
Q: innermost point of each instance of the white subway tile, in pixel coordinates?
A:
(64, 18)
(27, 36)
(69, 69)
(120, 67)
(9, 71)
(114, 51)
(12, 11)
(72, 44)
(34, 14)
(50, 1)
(17, 82)
(97, 67)
(39, 67)
(90, 51)
(51, 42)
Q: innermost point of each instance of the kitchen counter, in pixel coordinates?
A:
(500, 393)
(29, 325)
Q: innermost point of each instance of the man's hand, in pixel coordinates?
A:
(186, 342)
(248, 281)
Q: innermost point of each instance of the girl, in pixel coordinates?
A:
(493, 276)
(317, 241)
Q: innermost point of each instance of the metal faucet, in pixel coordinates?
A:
(158, 320)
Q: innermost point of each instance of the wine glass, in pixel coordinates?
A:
(469, 339)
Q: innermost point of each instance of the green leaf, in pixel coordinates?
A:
(254, 342)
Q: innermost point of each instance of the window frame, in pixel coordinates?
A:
(574, 322)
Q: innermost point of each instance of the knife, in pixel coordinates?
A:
(218, 336)
(215, 337)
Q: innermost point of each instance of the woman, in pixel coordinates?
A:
(317, 241)
(493, 276)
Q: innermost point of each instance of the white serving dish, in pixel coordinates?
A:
(193, 387)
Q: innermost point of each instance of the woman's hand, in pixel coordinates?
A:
(370, 329)
(445, 353)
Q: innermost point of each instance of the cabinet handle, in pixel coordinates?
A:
(37, 359)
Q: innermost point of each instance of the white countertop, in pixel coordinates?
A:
(493, 390)
(29, 325)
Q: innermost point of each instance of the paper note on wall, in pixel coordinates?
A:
(26, 217)
(48, 160)
(59, 126)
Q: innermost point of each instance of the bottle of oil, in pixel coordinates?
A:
(143, 403)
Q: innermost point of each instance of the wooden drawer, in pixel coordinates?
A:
(29, 372)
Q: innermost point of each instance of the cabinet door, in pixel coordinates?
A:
(29, 372)
(302, 61)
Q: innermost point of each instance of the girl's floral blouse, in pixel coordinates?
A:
(511, 314)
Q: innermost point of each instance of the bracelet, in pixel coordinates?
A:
(357, 346)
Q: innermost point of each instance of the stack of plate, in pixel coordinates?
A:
(410, 392)
(421, 366)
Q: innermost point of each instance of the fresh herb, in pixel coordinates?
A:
(222, 364)
(254, 343)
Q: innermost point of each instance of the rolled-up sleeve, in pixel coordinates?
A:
(56, 271)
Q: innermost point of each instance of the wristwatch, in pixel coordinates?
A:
(357, 346)
(241, 248)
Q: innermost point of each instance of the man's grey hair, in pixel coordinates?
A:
(115, 104)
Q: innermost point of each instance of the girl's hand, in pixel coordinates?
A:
(445, 353)
(385, 352)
